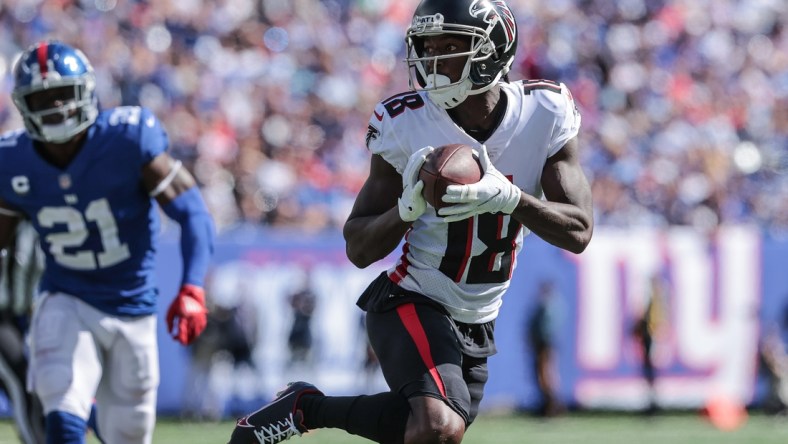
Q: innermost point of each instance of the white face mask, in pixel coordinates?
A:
(436, 81)
(445, 96)
(84, 103)
(61, 132)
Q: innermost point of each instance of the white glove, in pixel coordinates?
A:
(412, 204)
(493, 194)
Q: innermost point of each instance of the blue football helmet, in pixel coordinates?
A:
(46, 66)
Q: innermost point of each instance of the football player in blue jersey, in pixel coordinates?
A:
(87, 180)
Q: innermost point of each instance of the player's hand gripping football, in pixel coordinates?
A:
(494, 193)
(188, 313)
(412, 204)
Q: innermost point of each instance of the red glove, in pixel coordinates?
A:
(189, 308)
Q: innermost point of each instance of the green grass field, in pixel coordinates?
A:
(575, 428)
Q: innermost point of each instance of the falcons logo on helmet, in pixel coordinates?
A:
(490, 15)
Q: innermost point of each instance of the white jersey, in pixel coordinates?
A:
(467, 265)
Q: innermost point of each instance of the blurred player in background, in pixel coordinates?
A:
(431, 317)
(87, 180)
(773, 363)
(22, 264)
(645, 331)
(300, 340)
(544, 326)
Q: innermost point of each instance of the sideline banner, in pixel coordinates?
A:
(283, 309)
(715, 294)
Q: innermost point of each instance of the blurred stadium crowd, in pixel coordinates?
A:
(684, 102)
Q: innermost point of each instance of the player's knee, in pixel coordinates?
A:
(128, 424)
(51, 384)
(437, 425)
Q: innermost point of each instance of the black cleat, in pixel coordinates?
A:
(276, 421)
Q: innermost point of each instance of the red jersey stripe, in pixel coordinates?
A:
(468, 250)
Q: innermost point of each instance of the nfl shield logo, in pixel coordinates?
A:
(65, 181)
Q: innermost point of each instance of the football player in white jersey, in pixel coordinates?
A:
(430, 318)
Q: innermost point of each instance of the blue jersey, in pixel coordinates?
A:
(97, 224)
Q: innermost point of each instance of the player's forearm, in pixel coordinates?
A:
(197, 234)
(371, 238)
(564, 225)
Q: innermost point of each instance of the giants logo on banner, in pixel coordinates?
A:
(705, 326)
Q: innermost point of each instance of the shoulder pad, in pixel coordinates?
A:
(11, 138)
(549, 94)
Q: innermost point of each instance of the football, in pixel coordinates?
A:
(452, 164)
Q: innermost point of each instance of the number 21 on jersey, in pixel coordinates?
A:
(98, 212)
(493, 264)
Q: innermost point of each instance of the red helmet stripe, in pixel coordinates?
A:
(41, 52)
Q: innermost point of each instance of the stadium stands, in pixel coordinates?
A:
(685, 103)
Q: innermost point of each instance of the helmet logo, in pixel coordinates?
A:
(493, 12)
(432, 22)
(71, 62)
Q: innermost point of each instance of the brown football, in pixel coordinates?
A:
(452, 164)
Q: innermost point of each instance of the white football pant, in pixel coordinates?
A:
(79, 353)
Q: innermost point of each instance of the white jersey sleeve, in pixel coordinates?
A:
(567, 118)
(382, 138)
